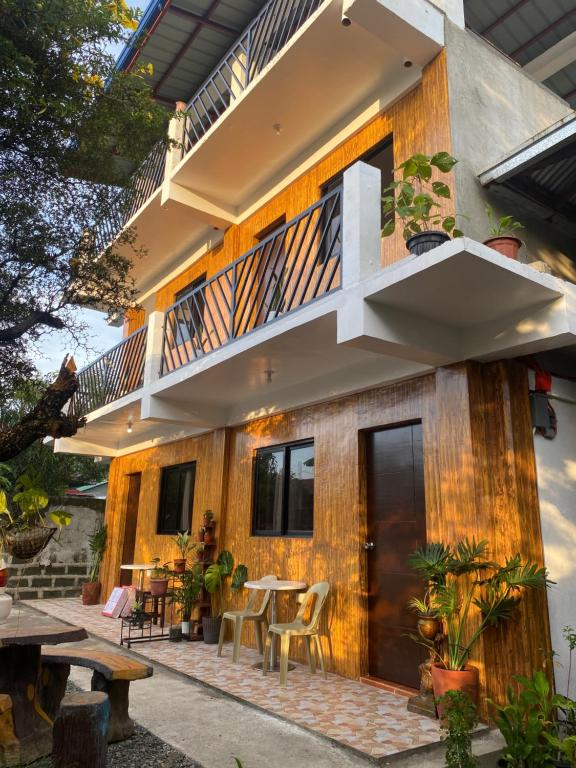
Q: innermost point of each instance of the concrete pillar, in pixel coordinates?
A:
(177, 133)
(361, 205)
(154, 342)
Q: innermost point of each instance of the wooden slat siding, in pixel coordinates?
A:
(419, 123)
(208, 451)
(133, 319)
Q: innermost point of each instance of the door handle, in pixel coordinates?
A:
(369, 546)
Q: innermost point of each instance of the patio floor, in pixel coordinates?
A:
(372, 721)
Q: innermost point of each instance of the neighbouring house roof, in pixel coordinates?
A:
(184, 40)
(95, 490)
(529, 30)
(542, 169)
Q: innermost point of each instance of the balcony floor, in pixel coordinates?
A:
(370, 721)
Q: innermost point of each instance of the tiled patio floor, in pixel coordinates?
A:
(372, 721)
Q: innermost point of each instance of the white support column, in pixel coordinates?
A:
(361, 231)
(176, 132)
(154, 341)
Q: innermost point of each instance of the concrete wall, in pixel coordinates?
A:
(556, 465)
(495, 107)
(61, 568)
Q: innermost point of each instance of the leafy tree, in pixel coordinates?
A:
(67, 117)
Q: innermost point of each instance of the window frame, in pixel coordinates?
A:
(164, 473)
(284, 532)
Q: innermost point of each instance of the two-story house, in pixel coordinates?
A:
(333, 399)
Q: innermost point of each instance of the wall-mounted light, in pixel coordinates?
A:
(269, 373)
(129, 425)
(277, 128)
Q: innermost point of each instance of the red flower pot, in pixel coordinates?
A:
(91, 593)
(444, 680)
(3, 577)
(507, 246)
(158, 587)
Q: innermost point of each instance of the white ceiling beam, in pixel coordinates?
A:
(554, 59)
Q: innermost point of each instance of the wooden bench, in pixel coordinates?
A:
(112, 674)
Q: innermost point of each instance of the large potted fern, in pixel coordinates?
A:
(97, 545)
(462, 581)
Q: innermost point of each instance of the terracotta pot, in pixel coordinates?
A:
(179, 565)
(444, 680)
(426, 241)
(158, 587)
(211, 629)
(507, 246)
(201, 534)
(429, 626)
(3, 577)
(91, 592)
(209, 537)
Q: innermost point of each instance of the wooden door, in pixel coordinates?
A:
(130, 525)
(396, 527)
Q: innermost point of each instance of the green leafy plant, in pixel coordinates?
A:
(159, 571)
(215, 578)
(97, 545)
(460, 717)
(208, 516)
(184, 542)
(29, 501)
(417, 200)
(188, 593)
(461, 577)
(570, 637)
(528, 722)
(503, 226)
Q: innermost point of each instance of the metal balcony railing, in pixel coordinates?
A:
(115, 374)
(266, 35)
(142, 184)
(296, 264)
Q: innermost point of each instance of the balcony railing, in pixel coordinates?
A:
(266, 35)
(115, 374)
(295, 265)
(142, 184)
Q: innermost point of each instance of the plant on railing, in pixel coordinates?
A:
(417, 200)
(460, 578)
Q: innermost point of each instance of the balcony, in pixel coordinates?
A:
(278, 95)
(309, 315)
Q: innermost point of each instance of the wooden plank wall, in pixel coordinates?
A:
(480, 481)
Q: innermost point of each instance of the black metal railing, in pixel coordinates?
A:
(118, 372)
(142, 184)
(265, 36)
(296, 264)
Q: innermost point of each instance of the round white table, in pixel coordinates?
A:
(275, 586)
(141, 567)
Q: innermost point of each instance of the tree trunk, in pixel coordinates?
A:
(46, 419)
(80, 731)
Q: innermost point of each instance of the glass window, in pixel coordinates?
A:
(284, 490)
(176, 498)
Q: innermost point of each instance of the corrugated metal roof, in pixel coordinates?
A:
(524, 29)
(184, 40)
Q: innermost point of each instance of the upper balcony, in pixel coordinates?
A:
(308, 315)
(289, 83)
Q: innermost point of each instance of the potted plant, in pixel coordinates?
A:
(158, 578)
(214, 581)
(208, 519)
(200, 548)
(138, 615)
(184, 543)
(187, 595)
(459, 718)
(97, 545)
(24, 530)
(417, 201)
(209, 536)
(201, 533)
(458, 578)
(501, 238)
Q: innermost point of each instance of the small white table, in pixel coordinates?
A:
(141, 567)
(275, 586)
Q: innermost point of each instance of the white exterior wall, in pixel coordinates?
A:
(556, 464)
(495, 106)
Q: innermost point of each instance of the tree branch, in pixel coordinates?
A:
(46, 419)
(37, 317)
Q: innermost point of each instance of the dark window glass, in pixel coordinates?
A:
(284, 490)
(176, 498)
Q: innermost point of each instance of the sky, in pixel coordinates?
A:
(53, 347)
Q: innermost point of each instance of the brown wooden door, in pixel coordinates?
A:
(396, 526)
(130, 525)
